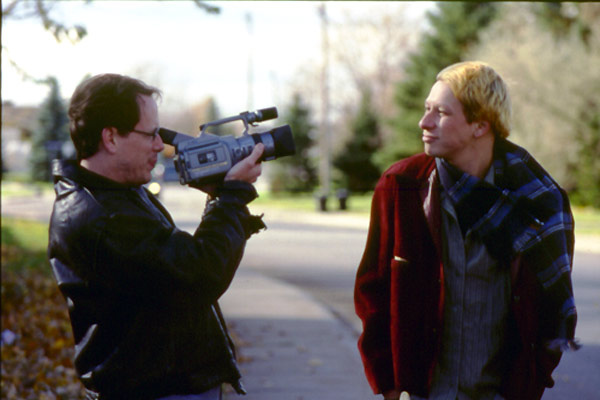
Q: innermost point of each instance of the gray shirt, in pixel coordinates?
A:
(477, 293)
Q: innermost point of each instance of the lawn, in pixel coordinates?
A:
(356, 204)
(587, 221)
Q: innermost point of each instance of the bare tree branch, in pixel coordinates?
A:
(42, 9)
(207, 7)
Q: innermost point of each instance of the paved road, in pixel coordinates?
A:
(321, 260)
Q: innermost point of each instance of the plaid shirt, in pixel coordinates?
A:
(476, 309)
(524, 213)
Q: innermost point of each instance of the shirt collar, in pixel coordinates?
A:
(449, 174)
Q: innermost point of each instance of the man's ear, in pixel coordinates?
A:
(109, 139)
(481, 128)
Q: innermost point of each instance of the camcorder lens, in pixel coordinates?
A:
(278, 142)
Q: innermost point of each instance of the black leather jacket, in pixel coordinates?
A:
(142, 295)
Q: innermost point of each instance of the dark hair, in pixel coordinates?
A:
(107, 100)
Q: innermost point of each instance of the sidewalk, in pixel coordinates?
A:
(289, 346)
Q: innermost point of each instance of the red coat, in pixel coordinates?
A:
(399, 292)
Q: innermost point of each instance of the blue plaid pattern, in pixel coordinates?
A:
(524, 213)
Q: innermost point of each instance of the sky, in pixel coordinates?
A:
(186, 52)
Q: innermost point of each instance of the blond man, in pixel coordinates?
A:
(464, 287)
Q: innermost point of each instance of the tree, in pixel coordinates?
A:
(50, 136)
(586, 170)
(455, 27)
(42, 9)
(360, 173)
(368, 46)
(297, 173)
(579, 22)
(553, 89)
(563, 20)
(21, 9)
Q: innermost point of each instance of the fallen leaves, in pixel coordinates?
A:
(37, 344)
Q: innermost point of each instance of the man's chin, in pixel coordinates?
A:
(141, 181)
(429, 151)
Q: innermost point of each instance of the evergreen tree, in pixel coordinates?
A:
(587, 169)
(581, 21)
(563, 20)
(356, 161)
(297, 173)
(554, 92)
(454, 28)
(50, 135)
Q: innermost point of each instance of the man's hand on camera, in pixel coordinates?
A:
(249, 169)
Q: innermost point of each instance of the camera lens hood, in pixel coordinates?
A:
(284, 141)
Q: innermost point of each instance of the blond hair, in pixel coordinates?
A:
(482, 93)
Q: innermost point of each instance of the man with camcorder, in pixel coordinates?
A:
(142, 294)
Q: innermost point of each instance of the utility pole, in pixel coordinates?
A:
(325, 131)
(250, 67)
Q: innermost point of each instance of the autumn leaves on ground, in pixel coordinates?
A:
(37, 344)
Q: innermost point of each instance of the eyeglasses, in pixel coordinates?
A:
(153, 135)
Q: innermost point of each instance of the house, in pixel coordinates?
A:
(18, 124)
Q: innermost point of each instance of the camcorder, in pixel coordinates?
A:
(208, 157)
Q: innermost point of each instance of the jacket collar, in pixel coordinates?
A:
(71, 170)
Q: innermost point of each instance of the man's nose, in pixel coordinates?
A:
(426, 121)
(158, 144)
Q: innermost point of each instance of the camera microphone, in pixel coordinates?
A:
(262, 115)
(247, 117)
